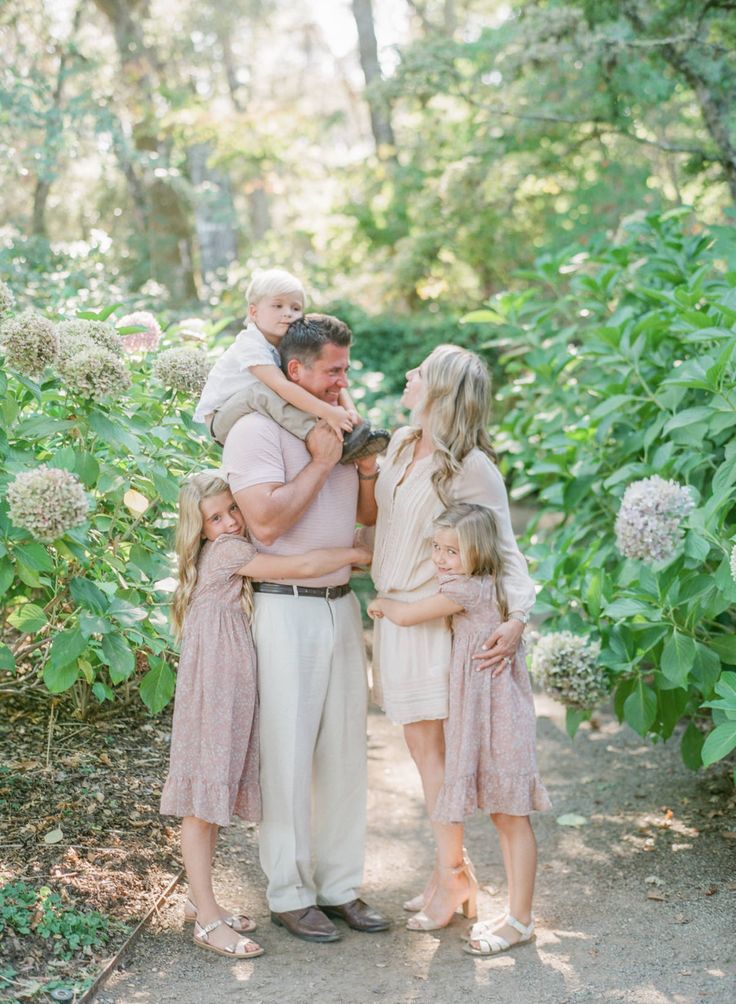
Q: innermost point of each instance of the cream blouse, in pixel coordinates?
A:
(402, 557)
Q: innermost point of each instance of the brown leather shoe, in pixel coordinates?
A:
(359, 916)
(308, 923)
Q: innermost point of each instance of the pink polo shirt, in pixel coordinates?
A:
(258, 451)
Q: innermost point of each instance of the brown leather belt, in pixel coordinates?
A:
(323, 592)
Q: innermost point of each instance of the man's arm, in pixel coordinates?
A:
(272, 509)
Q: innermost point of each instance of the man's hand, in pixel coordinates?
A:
(499, 650)
(324, 446)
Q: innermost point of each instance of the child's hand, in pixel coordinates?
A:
(375, 610)
(363, 556)
(339, 420)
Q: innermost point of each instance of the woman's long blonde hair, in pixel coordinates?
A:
(456, 401)
(188, 544)
(477, 537)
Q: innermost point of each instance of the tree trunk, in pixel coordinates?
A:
(214, 212)
(380, 111)
(52, 130)
(167, 224)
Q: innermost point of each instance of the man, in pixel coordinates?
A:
(311, 662)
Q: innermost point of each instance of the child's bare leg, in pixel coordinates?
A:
(197, 845)
(519, 849)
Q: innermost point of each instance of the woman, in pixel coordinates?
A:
(444, 456)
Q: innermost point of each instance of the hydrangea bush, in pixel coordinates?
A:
(92, 450)
(620, 422)
(567, 666)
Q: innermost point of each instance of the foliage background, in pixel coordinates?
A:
(412, 162)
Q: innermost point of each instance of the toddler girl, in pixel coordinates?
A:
(213, 774)
(490, 759)
(247, 377)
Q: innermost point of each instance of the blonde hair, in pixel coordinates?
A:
(456, 402)
(273, 282)
(188, 544)
(478, 543)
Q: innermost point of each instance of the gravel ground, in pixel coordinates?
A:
(637, 905)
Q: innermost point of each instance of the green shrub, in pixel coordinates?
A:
(85, 596)
(26, 910)
(621, 366)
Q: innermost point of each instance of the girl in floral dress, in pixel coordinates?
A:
(213, 773)
(490, 758)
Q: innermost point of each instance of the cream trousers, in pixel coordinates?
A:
(313, 698)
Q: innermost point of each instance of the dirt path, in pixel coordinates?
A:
(600, 936)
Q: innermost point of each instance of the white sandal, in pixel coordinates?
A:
(243, 948)
(493, 944)
(240, 923)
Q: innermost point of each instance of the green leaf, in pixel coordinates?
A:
(125, 613)
(640, 708)
(691, 745)
(7, 575)
(672, 704)
(624, 607)
(40, 426)
(719, 743)
(35, 556)
(90, 624)
(157, 686)
(27, 618)
(60, 678)
(678, 656)
(7, 659)
(117, 656)
(725, 646)
(113, 433)
(102, 692)
(66, 647)
(574, 718)
(706, 668)
(87, 594)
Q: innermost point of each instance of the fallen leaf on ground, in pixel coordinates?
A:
(656, 894)
(729, 834)
(53, 836)
(571, 819)
(711, 890)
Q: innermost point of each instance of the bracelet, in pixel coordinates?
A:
(520, 616)
(369, 477)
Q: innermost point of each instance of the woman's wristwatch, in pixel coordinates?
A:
(518, 615)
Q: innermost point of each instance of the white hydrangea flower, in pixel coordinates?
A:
(140, 341)
(566, 666)
(193, 328)
(648, 522)
(30, 342)
(47, 502)
(182, 369)
(95, 372)
(98, 333)
(6, 298)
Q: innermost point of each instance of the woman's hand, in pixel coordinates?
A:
(375, 609)
(363, 555)
(499, 649)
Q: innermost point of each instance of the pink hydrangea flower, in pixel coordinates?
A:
(140, 341)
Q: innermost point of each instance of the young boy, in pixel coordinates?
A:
(248, 376)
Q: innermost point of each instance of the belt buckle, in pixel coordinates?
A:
(328, 593)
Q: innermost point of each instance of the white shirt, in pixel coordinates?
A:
(231, 372)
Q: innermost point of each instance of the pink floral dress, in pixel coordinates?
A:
(213, 771)
(490, 748)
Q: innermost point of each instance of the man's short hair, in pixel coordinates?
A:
(307, 336)
(273, 282)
